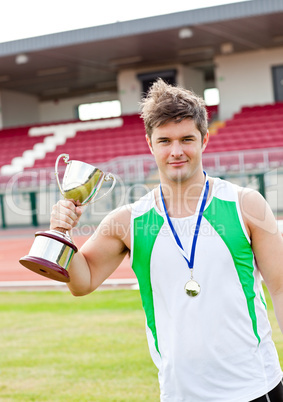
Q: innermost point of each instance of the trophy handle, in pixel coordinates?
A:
(66, 158)
(108, 176)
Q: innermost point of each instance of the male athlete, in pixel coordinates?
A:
(199, 247)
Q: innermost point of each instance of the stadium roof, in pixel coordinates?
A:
(87, 60)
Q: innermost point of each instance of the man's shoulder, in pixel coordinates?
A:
(121, 214)
(143, 204)
(251, 201)
(225, 189)
(228, 186)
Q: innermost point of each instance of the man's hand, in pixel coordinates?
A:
(65, 215)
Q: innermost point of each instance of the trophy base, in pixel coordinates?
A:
(50, 255)
(45, 268)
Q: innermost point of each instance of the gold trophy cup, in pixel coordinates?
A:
(52, 250)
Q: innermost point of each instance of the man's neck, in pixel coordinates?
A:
(181, 198)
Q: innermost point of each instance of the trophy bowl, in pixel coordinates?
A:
(52, 251)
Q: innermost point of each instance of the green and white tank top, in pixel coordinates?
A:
(217, 346)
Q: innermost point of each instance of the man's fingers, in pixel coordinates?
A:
(65, 215)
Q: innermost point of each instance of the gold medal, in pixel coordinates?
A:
(192, 288)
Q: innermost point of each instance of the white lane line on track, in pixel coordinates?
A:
(49, 283)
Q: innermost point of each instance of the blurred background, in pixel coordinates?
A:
(77, 91)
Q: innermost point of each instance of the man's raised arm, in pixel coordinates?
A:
(101, 254)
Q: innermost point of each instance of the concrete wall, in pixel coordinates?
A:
(191, 79)
(246, 79)
(242, 79)
(65, 109)
(129, 86)
(129, 89)
(18, 109)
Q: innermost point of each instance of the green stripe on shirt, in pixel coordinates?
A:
(145, 231)
(223, 217)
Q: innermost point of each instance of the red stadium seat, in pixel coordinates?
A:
(253, 128)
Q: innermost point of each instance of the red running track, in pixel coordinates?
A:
(16, 243)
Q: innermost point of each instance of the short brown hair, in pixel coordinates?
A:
(164, 103)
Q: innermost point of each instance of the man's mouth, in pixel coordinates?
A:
(177, 163)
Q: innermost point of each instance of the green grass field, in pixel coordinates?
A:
(55, 347)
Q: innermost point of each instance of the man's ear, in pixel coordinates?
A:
(205, 141)
(149, 143)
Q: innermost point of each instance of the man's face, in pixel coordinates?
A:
(177, 148)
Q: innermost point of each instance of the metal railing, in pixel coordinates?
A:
(26, 198)
(31, 206)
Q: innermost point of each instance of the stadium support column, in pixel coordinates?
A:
(261, 184)
(2, 211)
(32, 197)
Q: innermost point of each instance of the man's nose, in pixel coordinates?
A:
(177, 149)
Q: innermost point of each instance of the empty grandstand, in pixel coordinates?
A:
(236, 48)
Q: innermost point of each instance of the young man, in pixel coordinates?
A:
(199, 246)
